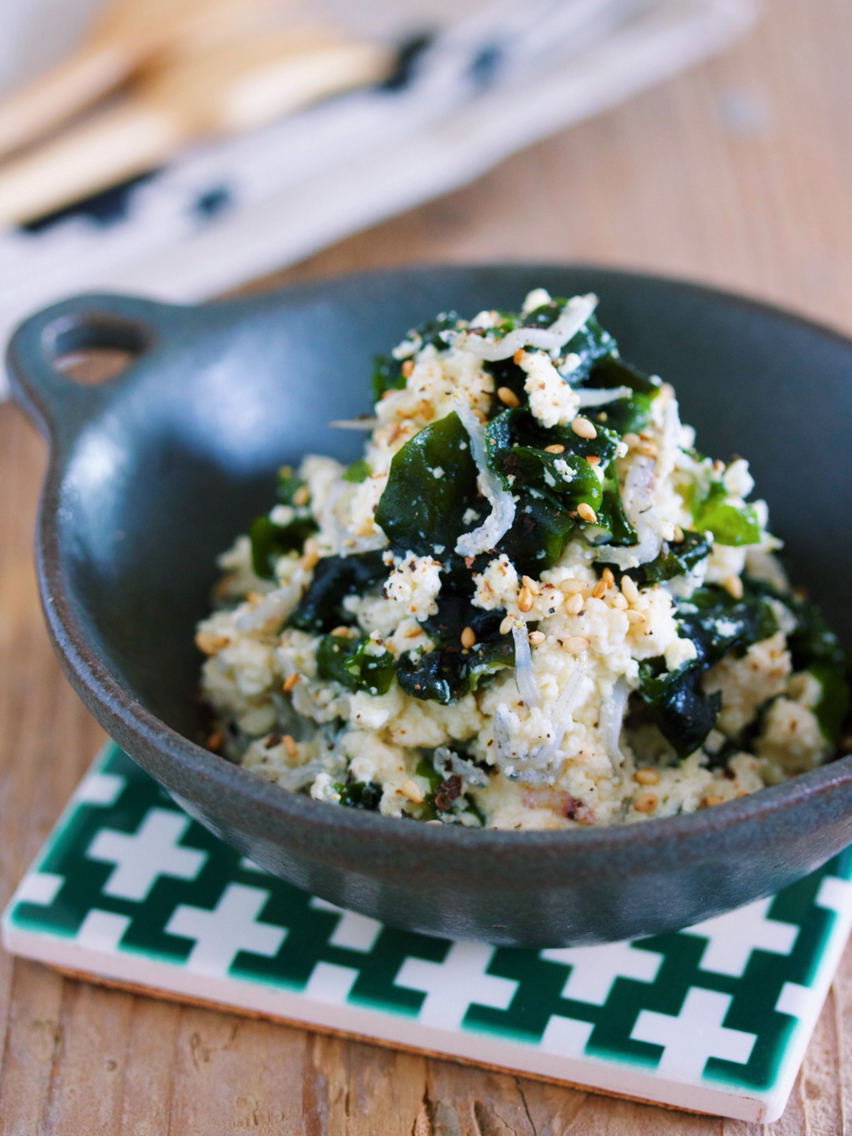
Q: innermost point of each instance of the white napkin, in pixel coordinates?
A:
(498, 79)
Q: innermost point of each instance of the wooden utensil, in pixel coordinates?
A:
(226, 91)
(126, 35)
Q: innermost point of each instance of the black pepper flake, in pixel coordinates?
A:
(574, 809)
(272, 740)
(447, 792)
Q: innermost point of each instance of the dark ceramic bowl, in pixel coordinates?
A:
(153, 473)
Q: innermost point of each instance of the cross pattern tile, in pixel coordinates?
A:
(142, 857)
(732, 937)
(694, 1035)
(129, 875)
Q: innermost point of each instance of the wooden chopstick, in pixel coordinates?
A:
(229, 90)
(127, 35)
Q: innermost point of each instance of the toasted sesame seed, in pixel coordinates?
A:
(593, 459)
(574, 605)
(599, 589)
(342, 631)
(678, 534)
(525, 600)
(407, 367)
(574, 644)
(290, 745)
(255, 598)
(608, 577)
(409, 789)
(310, 556)
(425, 409)
(554, 449)
(519, 354)
(289, 682)
(508, 397)
(210, 644)
(506, 625)
(630, 589)
(645, 803)
(302, 495)
(630, 439)
(468, 637)
(412, 633)
(586, 513)
(646, 776)
(536, 638)
(583, 428)
(618, 601)
(570, 586)
(635, 616)
(647, 449)
(711, 799)
(742, 793)
(733, 585)
(531, 585)
(215, 741)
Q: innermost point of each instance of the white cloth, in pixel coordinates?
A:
(500, 78)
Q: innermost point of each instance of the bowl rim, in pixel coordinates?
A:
(97, 685)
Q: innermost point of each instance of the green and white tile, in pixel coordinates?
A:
(715, 1018)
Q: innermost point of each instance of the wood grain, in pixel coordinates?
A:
(738, 173)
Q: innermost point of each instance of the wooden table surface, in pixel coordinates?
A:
(738, 173)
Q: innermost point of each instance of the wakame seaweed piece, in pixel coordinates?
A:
(434, 676)
(288, 485)
(832, 709)
(357, 471)
(432, 482)
(335, 578)
(538, 536)
(546, 506)
(683, 713)
(814, 647)
(386, 375)
(716, 623)
(812, 640)
(387, 371)
(507, 373)
(566, 479)
(545, 315)
(270, 541)
(519, 427)
(349, 661)
(450, 671)
(365, 795)
(730, 524)
(675, 559)
(591, 343)
(612, 518)
(624, 415)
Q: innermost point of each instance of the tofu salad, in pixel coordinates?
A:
(531, 604)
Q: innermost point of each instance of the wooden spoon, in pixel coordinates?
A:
(126, 35)
(229, 90)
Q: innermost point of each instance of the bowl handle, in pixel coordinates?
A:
(123, 326)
